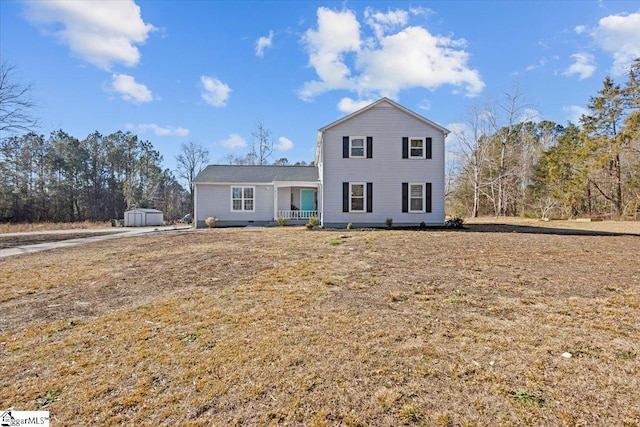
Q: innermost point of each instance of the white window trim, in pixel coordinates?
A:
(364, 147)
(364, 197)
(422, 209)
(242, 199)
(424, 147)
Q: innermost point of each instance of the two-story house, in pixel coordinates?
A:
(381, 162)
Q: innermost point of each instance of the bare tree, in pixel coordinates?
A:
(15, 103)
(474, 146)
(504, 117)
(191, 161)
(262, 144)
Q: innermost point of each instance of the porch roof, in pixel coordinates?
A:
(257, 174)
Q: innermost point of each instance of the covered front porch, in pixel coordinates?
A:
(296, 202)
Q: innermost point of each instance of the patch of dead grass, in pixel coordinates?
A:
(278, 326)
(9, 227)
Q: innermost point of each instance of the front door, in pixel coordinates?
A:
(307, 200)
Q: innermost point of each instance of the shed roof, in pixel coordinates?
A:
(258, 173)
(145, 210)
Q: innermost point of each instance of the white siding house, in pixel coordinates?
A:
(381, 162)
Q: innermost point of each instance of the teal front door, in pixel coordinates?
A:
(307, 200)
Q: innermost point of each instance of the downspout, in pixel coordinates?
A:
(195, 205)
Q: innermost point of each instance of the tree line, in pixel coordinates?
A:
(507, 163)
(61, 178)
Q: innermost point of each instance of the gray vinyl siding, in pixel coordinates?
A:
(284, 198)
(387, 170)
(215, 200)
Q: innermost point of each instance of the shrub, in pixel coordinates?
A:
(455, 222)
(389, 222)
(282, 220)
(211, 221)
(423, 226)
(313, 221)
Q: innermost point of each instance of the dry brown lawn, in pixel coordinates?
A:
(282, 326)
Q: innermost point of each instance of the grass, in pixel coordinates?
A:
(21, 227)
(384, 328)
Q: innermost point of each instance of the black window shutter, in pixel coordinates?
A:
(345, 147)
(405, 197)
(427, 148)
(427, 197)
(369, 147)
(405, 147)
(345, 197)
(369, 196)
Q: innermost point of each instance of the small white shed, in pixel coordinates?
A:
(143, 217)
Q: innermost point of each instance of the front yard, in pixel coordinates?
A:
(516, 324)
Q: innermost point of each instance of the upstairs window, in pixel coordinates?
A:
(242, 199)
(357, 147)
(416, 148)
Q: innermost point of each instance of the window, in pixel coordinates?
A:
(357, 197)
(416, 148)
(242, 199)
(356, 148)
(416, 197)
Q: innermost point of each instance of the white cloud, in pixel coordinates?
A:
(574, 112)
(102, 33)
(283, 144)
(583, 66)
(262, 43)
(529, 115)
(129, 89)
(381, 23)
(397, 57)
(418, 10)
(619, 35)
(348, 105)
(541, 63)
(215, 92)
(425, 104)
(579, 29)
(414, 57)
(338, 34)
(459, 133)
(160, 130)
(233, 141)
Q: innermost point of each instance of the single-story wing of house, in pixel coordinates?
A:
(256, 195)
(383, 163)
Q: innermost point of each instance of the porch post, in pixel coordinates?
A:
(275, 201)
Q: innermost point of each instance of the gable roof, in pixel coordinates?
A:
(258, 173)
(144, 210)
(394, 104)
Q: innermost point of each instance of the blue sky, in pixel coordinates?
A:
(174, 71)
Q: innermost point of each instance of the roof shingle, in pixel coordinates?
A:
(258, 173)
